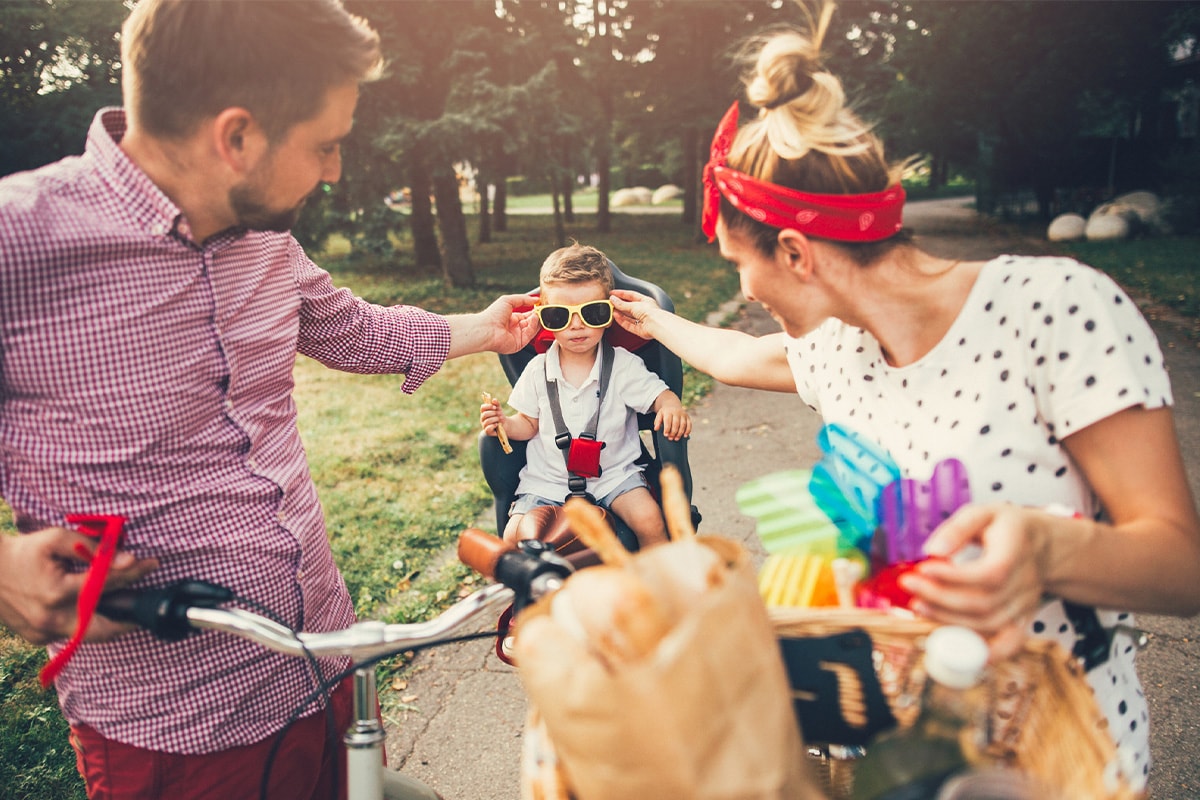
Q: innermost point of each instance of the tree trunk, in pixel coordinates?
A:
(568, 202)
(937, 171)
(425, 242)
(603, 164)
(560, 231)
(485, 217)
(452, 224)
(692, 172)
(500, 205)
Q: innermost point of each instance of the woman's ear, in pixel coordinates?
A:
(238, 139)
(796, 249)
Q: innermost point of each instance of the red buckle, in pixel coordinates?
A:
(110, 530)
(584, 457)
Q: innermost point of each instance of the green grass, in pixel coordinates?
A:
(398, 474)
(1166, 269)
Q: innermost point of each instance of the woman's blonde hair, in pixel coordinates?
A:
(806, 136)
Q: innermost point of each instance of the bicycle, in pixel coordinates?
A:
(182, 609)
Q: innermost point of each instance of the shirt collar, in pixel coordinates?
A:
(554, 367)
(142, 199)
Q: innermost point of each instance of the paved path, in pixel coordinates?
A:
(463, 733)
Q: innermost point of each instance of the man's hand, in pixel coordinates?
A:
(499, 328)
(39, 589)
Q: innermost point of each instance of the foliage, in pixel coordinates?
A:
(59, 63)
(1013, 112)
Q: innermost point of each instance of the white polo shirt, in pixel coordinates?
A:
(632, 390)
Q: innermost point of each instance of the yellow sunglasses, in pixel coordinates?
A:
(594, 314)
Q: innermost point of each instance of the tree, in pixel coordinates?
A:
(687, 78)
(1010, 82)
(59, 64)
(413, 126)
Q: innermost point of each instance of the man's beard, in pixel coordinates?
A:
(256, 216)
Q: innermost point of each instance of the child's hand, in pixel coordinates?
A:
(674, 422)
(491, 418)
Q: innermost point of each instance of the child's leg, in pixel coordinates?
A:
(510, 529)
(522, 504)
(642, 514)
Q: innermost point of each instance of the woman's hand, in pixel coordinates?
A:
(985, 572)
(631, 311)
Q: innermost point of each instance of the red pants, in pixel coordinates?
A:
(303, 767)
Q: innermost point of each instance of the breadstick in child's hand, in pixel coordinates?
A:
(588, 523)
(500, 434)
(676, 508)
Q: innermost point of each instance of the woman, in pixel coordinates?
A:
(1038, 374)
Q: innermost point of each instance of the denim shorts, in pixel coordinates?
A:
(524, 503)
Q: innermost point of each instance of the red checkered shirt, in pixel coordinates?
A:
(146, 375)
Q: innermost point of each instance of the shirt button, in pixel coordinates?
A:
(282, 517)
(299, 574)
(229, 405)
(253, 463)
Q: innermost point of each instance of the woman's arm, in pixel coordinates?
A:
(1146, 559)
(730, 356)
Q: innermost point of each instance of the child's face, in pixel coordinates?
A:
(576, 337)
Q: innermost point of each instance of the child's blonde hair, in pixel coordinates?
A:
(576, 263)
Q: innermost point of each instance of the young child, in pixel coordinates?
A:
(575, 285)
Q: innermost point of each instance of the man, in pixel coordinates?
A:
(152, 307)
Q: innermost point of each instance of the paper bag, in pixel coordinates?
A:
(707, 715)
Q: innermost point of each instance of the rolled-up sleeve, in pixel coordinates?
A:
(347, 333)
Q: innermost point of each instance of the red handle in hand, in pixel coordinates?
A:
(109, 529)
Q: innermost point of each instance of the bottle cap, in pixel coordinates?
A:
(955, 656)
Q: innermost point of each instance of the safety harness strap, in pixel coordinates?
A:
(576, 481)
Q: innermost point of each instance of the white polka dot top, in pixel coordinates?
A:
(1043, 347)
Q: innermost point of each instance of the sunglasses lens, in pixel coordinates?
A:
(554, 318)
(597, 314)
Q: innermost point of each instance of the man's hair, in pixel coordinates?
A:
(577, 263)
(187, 60)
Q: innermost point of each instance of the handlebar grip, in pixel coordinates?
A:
(481, 551)
(163, 611)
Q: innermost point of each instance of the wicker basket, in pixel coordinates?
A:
(1044, 717)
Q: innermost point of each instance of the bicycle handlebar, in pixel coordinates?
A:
(175, 611)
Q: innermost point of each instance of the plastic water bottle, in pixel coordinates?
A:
(913, 763)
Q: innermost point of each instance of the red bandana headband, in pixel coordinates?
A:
(841, 217)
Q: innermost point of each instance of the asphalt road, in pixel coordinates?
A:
(462, 730)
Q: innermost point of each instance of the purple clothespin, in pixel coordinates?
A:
(910, 510)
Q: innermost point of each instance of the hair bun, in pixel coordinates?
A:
(783, 71)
